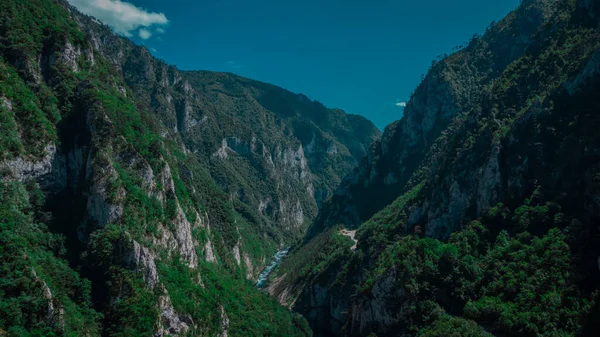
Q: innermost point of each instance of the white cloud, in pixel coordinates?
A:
(123, 17)
(401, 104)
(145, 34)
(234, 64)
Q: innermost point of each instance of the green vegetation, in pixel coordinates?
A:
(129, 307)
(31, 22)
(513, 122)
(446, 325)
(39, 294)
(63, 274)
(25, 128)
(387, 226)
(511, 283)
(125, 136)
(315, 257)
(250, 312)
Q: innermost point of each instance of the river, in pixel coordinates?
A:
(263, 277)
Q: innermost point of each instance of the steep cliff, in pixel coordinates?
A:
(252, 135)
(138, 199)
(453, 85)
(477, 212)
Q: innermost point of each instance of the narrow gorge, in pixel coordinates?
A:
(263, 277)
(139, 199)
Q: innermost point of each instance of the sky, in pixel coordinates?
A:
(363, 56)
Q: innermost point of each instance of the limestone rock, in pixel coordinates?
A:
(144, 261)
(24, 169)
(172, 323)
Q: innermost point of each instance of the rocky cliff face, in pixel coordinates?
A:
(278, 155)
(252, 135)
(489, 173)
(165, 190)
(452, 86)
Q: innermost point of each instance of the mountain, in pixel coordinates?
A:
(279, 153)
(141, 200)
(476, 213)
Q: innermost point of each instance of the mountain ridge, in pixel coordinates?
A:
(462, 218)
(455, 79)
(281, 105)
(141, 204)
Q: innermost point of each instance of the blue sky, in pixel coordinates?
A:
(364, 56)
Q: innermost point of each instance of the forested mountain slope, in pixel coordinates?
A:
(453, 85)
(477, 212)
(277, 154)
(137, 199)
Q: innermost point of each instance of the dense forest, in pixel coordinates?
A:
(477, 212)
